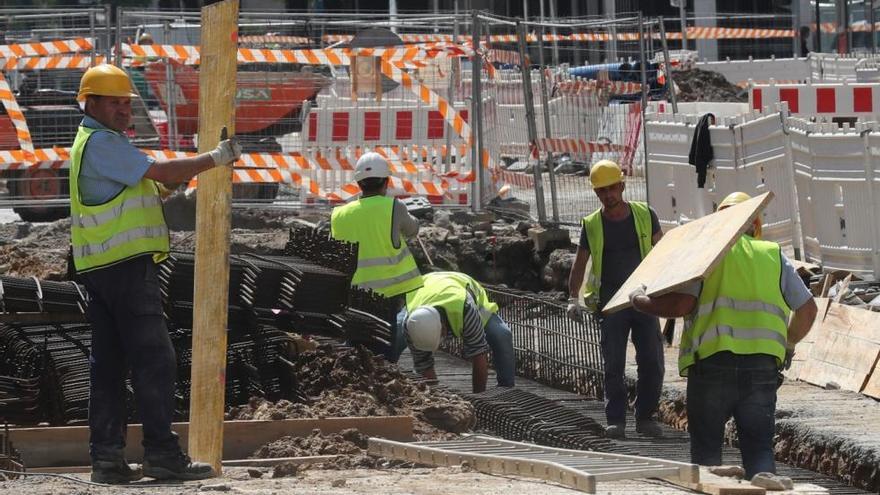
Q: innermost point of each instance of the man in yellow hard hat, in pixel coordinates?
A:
(617, 237)
(118, 234)
(737, 336)
(379, 224)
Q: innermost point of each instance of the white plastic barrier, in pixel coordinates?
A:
(750, 156)
(819, 100)
(838, 172)
(780, 69)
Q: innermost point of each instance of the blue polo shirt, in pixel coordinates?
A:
(109, 164)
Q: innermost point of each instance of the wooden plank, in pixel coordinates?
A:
(217, 77)
(712, 484)
(69, 445)
(846, 348)
(689, 252)
(273, 461)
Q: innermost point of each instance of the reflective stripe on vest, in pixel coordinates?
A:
(383, 268)
(596, 238)
(130, 224)
(449, 290)
(741, 308)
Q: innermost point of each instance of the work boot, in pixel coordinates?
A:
(116, 472)
(176, 467)
(617, 431)
(649, 428)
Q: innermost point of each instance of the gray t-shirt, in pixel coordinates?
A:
(795, 293)
(620, 252)
(402, 223)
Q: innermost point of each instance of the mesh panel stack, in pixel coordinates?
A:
(30, 295)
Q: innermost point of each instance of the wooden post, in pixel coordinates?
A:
(213, 218)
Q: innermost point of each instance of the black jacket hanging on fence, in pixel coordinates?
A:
(701, 148)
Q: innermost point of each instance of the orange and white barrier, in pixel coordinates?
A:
(40, 49)
(832, 100)
(15, 115)
(51, 62)
(403, 56)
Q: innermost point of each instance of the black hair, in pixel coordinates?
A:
(372, 185)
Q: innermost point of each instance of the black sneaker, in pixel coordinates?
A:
(116, 472)
(176, 467)
(616, 431)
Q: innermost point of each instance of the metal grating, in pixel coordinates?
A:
(549, 347)
(573, 468)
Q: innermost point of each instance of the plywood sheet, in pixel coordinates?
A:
(689, 252)
(846, 348)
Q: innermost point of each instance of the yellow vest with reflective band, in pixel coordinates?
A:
(448, 290)
(382, 267)
(741, 308)
(130, 224)
(596, 237)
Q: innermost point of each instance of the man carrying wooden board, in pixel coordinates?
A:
(618, 237)
(118, 234)
(737, 336)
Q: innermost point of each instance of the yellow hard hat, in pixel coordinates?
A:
(736, 198)
(605, 173)
(733, 198)
(105, 80)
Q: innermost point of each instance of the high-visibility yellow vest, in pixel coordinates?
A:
(382, 267)
(741, 308)
(596, 237)
(448, 290)
(130, 224)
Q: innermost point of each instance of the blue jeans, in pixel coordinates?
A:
(129, 332)
(648, 342)
(498, 336)
(727, 385)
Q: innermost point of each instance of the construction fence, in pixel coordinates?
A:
(467, 107)
(825, 177)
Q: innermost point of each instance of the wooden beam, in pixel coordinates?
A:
(217, 78)
(270, 462)
(69, 445)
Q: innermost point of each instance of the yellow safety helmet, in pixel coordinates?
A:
(105, 80)
(736, 198)
(605, 173)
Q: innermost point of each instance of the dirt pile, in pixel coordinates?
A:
(354, 382)
(349, 445)
(494, 250)
(38, 250)
(705, 85)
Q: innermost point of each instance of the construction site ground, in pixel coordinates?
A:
(829, 431)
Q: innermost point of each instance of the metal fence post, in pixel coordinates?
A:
(170, 92)
(93, 35)
(644, 73)
(476, 106)
(107, 36)
(118, 41)
(530, 119)
(670, 85)
(450, 93)
(554, 203)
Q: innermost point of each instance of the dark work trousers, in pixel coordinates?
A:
(726, 385)
(129, 333)
(648, 342)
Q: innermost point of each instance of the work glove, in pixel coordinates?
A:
(640, 291)
(227, 152)
(574, 310)
(789, 355)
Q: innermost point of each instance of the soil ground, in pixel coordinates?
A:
(422, 481)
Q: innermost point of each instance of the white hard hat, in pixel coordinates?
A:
(425, 328)
(371, 165)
